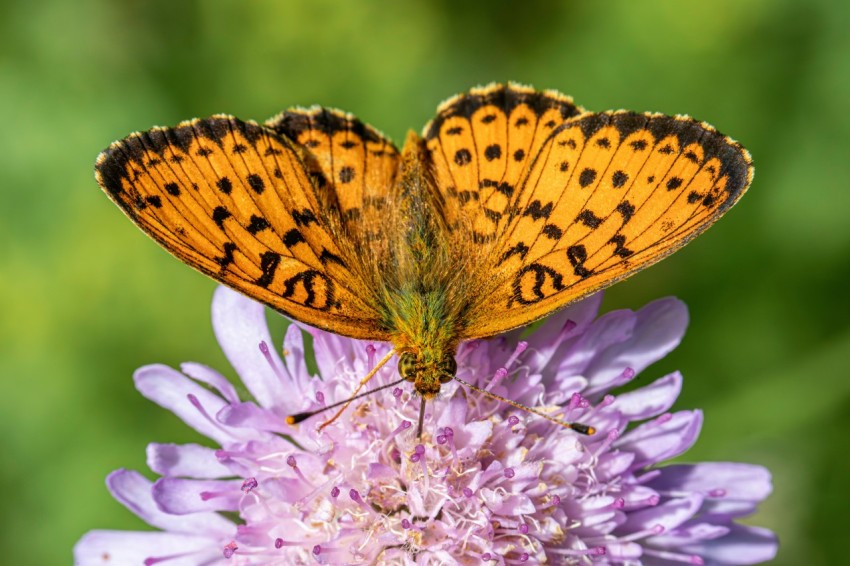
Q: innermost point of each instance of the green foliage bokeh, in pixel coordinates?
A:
(86, 298)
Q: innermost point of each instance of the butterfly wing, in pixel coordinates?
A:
(353, 165)
(235, 200)
(606, 195)
(481, 144)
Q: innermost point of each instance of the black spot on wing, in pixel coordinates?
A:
(589, 219)
(268, 264)
(227, 258)
(256, 183)
(586, 177)
(577, 255)
(219, 215)
(258, 224)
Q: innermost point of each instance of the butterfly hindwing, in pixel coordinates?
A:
(235, 201)
(481, 144)
(353, 165)
(607, 195)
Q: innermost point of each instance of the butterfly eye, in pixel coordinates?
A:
(449, 367)
(407, 366)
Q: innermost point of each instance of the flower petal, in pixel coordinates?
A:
(564, 326)
(192, 460)
(249, 416)
(170, 389)
(651, 400)
(655, 441)
(205, 374)
(108, 548)
(669, 514)
(179, 496)
(240, 326)
(658, 328)
(743, 545)
(727, 480)
(134, 492)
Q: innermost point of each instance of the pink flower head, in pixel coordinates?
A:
(486, 484)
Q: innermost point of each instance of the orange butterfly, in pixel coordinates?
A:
(512, 204)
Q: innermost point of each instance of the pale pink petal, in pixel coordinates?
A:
(174, 391)
(113, 548)
(651, 400)
(240, 327)
(658, 328)
(656, 441)
(182, 496)
(204, 374)
(743, 545)
(189, 460)
(135, 493)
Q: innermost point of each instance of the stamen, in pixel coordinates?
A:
(404, 425)
(292, 463)
(249, 485)
(498, 376)
(229, 549)
(592, 551)
(520, 348)
(609, 440)
(652, 531)
(370, 355)
(197, 404)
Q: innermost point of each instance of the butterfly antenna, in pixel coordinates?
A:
(580, 428)
(301, 417)
(297, 418)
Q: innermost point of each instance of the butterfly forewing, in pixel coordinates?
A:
(607, 195)
(235, 201)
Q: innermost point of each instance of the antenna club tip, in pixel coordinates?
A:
(297, 418)
(583, 429)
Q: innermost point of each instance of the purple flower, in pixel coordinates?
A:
(487, 483)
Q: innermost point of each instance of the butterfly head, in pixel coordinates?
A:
(427, 372)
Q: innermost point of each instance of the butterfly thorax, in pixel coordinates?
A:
(419, 303)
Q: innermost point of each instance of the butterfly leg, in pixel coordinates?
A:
(363, 382)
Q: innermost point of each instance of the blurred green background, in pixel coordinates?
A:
(86, 298)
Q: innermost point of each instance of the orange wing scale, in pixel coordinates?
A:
(233, 200)
(607, 195)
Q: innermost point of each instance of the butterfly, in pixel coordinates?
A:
(511, 204)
